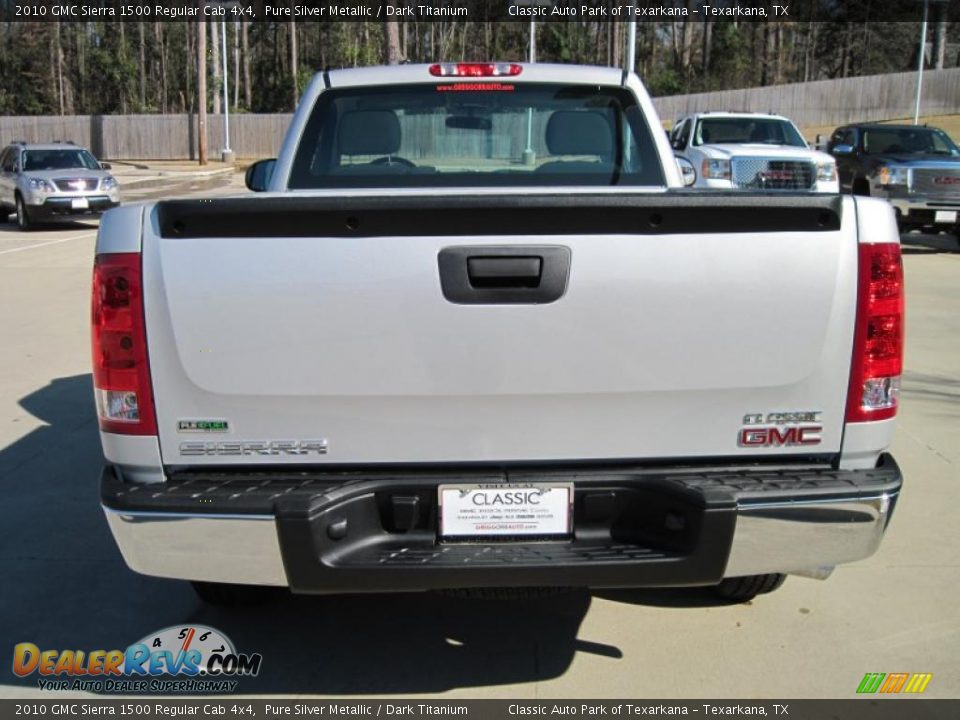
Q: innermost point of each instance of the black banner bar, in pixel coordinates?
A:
(875, 708)
(854, 11)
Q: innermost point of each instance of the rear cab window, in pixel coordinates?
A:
(476, 133)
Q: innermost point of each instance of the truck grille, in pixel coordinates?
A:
(770, 174)
(76, 184)
(936, 182)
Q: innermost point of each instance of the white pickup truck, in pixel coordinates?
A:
(751, 151)
(476, 334)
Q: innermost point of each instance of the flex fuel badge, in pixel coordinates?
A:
(203, 426)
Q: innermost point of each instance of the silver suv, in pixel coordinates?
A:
(44, 182)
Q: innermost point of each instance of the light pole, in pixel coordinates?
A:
(227, 154)
(529, 157)
(632, 46)
(922, 54)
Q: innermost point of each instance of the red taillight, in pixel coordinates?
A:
(475, 69)
(878, 338)
(121, 374)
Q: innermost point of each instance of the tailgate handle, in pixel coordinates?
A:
(504, 272)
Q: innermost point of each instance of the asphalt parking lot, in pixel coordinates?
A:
(65, 585)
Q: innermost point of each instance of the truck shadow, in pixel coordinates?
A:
(925, 244)
(66, 586)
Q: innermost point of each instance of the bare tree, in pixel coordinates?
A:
(294, 65)
(202, 91)
(391, 35)
(707, 46)
(245, 49)
(143, 67)
(58, 51)
(215, 62)
(939, 35)
(158, 33)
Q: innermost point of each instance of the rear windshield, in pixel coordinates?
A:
(59, 160)
(908, 141)
(477, 133)
(747, 130)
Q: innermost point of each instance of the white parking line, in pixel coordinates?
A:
(44, 244)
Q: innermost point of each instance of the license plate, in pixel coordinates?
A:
(945, 216)
(80, 204)
(497, 510)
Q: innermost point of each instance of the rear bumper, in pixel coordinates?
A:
(329, 533)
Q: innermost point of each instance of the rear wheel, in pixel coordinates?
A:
(741, 589)
(226, 595)
(23, 215)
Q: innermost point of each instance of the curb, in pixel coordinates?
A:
(165, 177)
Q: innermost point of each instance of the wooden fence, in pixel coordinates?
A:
(173, 137)
(151, 137)
(831, 102)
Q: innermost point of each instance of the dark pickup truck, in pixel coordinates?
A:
(916, 168)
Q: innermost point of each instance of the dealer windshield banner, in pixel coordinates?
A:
(192, 658)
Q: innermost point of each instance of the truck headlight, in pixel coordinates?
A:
(715, 169)
(893, 175)
(826, 171)
(108, 183)
(40, 185)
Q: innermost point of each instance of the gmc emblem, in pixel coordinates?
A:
(776, 175)
(946, 180)
(780, 437)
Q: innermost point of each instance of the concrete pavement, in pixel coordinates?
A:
(144, 174)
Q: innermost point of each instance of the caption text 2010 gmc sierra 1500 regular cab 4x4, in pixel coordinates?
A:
(476, 334)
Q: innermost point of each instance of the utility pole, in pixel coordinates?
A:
(202, 91)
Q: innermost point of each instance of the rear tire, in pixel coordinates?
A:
(23, 216)
(742, 589)
(227, 595)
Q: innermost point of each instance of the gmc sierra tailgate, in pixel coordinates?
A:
(447, 329)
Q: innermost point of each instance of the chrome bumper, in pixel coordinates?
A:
(241, 549)
(802, 536)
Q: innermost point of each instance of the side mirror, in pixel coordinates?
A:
(259, 174)
(687, 171)
(106, 166)
(842, 150)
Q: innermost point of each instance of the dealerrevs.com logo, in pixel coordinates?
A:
(180, 658)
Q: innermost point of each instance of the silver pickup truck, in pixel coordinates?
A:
(476, 334)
